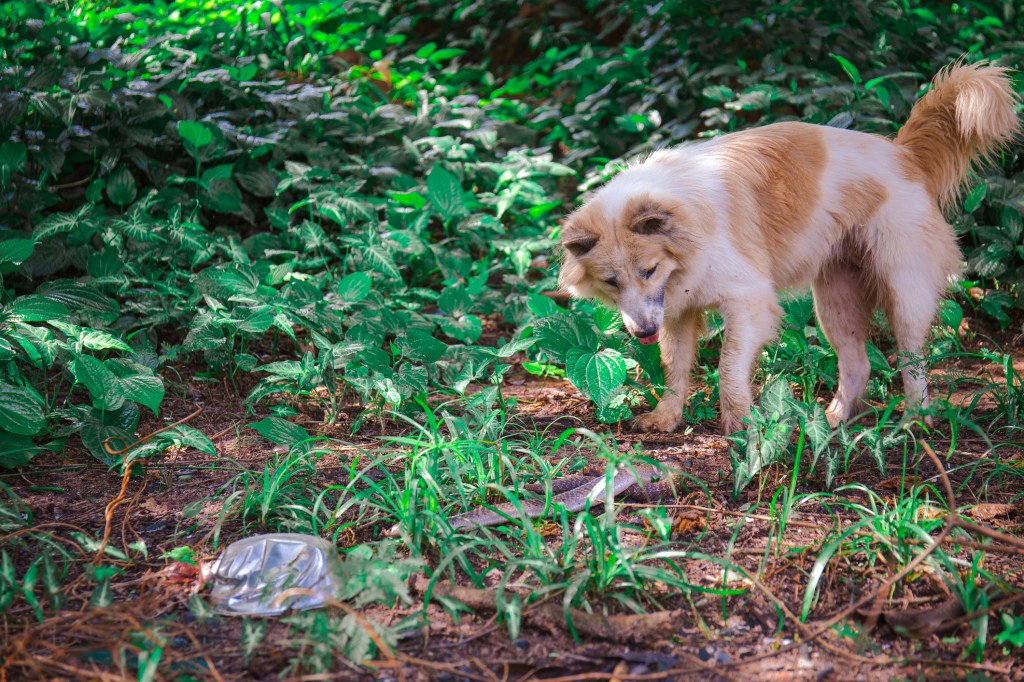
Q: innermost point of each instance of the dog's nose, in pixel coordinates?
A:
(647, 335)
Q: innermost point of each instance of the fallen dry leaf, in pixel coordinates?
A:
(894, 482)
(986, 511)
(923, 622)
(689, 522)
(154, 506)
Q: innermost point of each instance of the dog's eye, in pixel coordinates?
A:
(613, 282)
(646, 274)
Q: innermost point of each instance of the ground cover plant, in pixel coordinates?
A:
(291, 267)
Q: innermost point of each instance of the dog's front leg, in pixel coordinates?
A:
(750, 323)
(678, 346)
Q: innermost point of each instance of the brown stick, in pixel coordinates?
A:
(108, 513)
(631, 628)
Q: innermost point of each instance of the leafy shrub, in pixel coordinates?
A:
(376, 185)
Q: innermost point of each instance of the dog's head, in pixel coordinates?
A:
(622, 248)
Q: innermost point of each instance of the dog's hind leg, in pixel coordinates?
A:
(750, 323)
(911, 309)
(843, 302)
(916, 274)
(678, 346)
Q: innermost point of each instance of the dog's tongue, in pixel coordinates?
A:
(648, 340)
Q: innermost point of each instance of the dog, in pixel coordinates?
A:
(728, 222)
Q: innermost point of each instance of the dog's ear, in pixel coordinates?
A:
(580, 245)
(650, 223)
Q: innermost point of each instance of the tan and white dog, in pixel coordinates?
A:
(728, 222)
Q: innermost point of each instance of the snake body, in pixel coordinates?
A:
(642, 482)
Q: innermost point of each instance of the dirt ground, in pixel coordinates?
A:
(176, 503)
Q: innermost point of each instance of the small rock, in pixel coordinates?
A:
(735, 625)
(714, 655)
(522, 643)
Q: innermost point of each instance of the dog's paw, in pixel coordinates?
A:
(731, 426)
(731, 423)
(836, 414)
(657, 421)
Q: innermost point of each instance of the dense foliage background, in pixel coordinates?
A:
(184, 182)
(355, 205)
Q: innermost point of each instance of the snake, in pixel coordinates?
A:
(641, 482)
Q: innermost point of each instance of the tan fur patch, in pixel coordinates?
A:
(581, 224)
(859, 201)
(774, 180)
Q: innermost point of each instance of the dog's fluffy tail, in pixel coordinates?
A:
(966, 117)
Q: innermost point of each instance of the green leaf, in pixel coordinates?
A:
(94, 339)
(848, 67)
(61, 223)
(104, 263)
(543, 306)
(445, 54)
(202, 141)
(381, 260)
(607, 320)
(16, 450)
(355, 287)
(873, 83)
(445, 193)
(121, 186)
(221, 172)
(413, 200)
(777, 399)
(186, 436)
(719, 93)
(245, 73)
(819, 433)
(877, 359)
(21, 410)
(13, 156)
(195, 134)
(974, 198)
(101, 383)
(80, 298)
(16, 251)
(951, 314)
(465, 328)
(280, 431)
(558, 334)
(426, 50)
(515, 346)
(144, 389)
(223, 196)
(38, 308)
(227, 281)
(455, 300)
(421, 346)
(598, 375)
(542, 209)
(260, 182)
(510, 605)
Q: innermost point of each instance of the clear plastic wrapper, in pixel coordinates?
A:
(268, 575)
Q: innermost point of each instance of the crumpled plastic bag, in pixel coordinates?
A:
(268, 575)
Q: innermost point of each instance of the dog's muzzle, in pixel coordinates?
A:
(647, 335)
